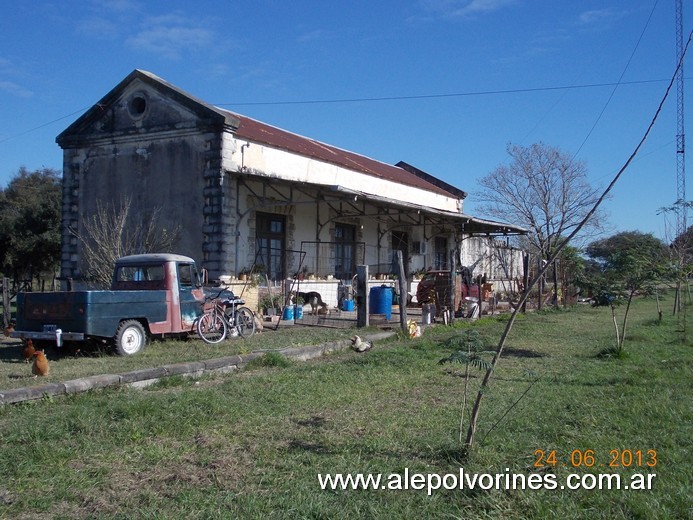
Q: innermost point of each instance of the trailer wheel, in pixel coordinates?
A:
(130, 338)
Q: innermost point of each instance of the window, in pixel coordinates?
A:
(344, 249)
(185, 275)
(142, 273)
(440, 253)
(269, 244)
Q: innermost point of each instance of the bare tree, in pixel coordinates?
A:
(544, 190)
(115, 231)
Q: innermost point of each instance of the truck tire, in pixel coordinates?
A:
(130, 338)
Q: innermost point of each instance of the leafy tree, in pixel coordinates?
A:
(572, 268)
(684, 244)
(30, 215)
(682, 252)
(624, 264)
(544, 190)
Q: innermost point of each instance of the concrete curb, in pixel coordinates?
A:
(147, 376)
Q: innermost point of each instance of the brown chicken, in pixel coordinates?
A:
(9, 330)
(40, 367)
(29, 350)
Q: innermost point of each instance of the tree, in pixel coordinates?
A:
(623, 265)
(571, 268)
(562, 243)
(470, 349)
(30, 214)
(115, 231)
(684, 244)
(544, 190)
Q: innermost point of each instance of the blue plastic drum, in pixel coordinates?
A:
(381, 301)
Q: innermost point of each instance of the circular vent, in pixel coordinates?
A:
(137, 106)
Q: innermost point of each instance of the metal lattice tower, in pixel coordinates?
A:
(681, 221)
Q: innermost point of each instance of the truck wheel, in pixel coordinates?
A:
(130, 338)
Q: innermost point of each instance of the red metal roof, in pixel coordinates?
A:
(259, 132)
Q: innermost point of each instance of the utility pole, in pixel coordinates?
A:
(681, 205)
(681, 221)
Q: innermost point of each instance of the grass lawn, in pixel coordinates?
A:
(251, 444)
(66, 365)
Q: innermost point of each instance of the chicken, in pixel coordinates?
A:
(9, 329)
(29, 350)
(40, 367)
(359, 345)
(413, 329)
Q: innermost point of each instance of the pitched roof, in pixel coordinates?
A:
(258, 131)
(244, 127)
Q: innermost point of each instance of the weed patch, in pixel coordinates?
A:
(269, 359)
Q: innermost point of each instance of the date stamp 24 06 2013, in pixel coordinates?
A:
(617, 458)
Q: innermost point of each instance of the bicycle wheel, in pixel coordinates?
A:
(245, 322)
(212, 328)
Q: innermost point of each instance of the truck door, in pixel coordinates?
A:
(191, 297)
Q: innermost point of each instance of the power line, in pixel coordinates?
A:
(438, 96)
(43, 125)
(383, 98)
(618, 83)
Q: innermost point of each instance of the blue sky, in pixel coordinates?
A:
(444, 85)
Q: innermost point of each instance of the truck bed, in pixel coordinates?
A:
(81, 314)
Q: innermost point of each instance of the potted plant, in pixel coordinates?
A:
(268, 305)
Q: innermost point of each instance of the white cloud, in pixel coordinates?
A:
(600, 16)
(170, 36)
(15, 89)
(97, 27)
(310, 36)
(464, 8)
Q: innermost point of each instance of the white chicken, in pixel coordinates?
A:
(359, 345)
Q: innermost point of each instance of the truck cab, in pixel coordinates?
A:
(175, 274)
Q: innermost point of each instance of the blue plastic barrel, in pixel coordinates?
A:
(288, 314)
(381, 301)
(299, 312)
(348, 305)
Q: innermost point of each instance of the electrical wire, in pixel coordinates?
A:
(613, 92)
(14, 136)
(438, 96)
(384, 98)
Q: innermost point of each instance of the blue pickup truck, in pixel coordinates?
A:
(151, 295)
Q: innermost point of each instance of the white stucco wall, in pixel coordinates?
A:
(260, 159)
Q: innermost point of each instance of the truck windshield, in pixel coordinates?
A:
(141, 273)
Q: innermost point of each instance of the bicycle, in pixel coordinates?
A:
(224, 317)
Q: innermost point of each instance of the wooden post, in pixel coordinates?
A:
(361, 296)
(6, 310)
(402, 291)
(540, 285)
(525, 278)
(454, 301)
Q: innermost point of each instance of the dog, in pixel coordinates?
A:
(313, 299)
